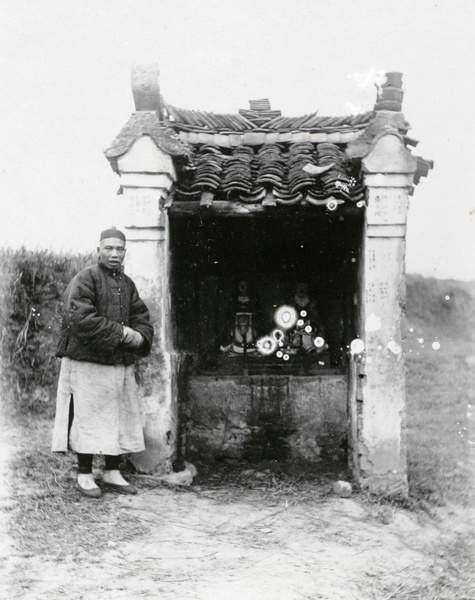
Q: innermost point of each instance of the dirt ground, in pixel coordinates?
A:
(264, 537)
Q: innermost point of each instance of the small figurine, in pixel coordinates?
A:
(307, 333)
(243, 335)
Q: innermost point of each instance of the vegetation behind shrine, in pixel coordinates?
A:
(31, 287)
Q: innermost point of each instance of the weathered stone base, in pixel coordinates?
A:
(390, 484)
(263, 417)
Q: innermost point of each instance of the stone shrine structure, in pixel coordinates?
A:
(213, 199)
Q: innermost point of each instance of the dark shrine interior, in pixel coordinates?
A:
(274, 251)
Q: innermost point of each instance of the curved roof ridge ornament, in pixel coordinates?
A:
(387, 120)
(387, 116)
(145, 88)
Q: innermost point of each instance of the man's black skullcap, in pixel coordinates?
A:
(112, 233)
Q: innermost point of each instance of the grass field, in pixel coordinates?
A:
(440, 428)
(441, 393)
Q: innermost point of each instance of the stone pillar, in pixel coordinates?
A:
(380, 452)
(146, 176)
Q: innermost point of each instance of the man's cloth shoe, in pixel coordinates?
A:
(90, 493)
(114, 481)
(121, 489)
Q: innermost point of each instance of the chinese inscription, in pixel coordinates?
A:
(387, 206)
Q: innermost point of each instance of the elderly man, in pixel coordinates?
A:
(105, 327)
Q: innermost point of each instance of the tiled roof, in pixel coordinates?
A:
(259, 156)
(262, 120)
(271, 173)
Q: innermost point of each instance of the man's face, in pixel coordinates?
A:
(301, 288)
(111, 252)
(242, 287)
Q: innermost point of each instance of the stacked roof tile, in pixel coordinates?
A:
(259, 156)
(262, 119)
(251, 174)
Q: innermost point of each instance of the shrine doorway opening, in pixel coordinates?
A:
(241, 402)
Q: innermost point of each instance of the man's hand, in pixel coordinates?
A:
(132, 338)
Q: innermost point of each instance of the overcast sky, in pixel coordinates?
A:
(65, 94)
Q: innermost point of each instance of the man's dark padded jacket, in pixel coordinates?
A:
(96, 305)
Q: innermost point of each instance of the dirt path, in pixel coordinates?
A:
(206, 545)
(198, 547)
(208, 549)
(253, 538)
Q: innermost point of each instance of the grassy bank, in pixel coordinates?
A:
(440, 359)
(31, 286)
